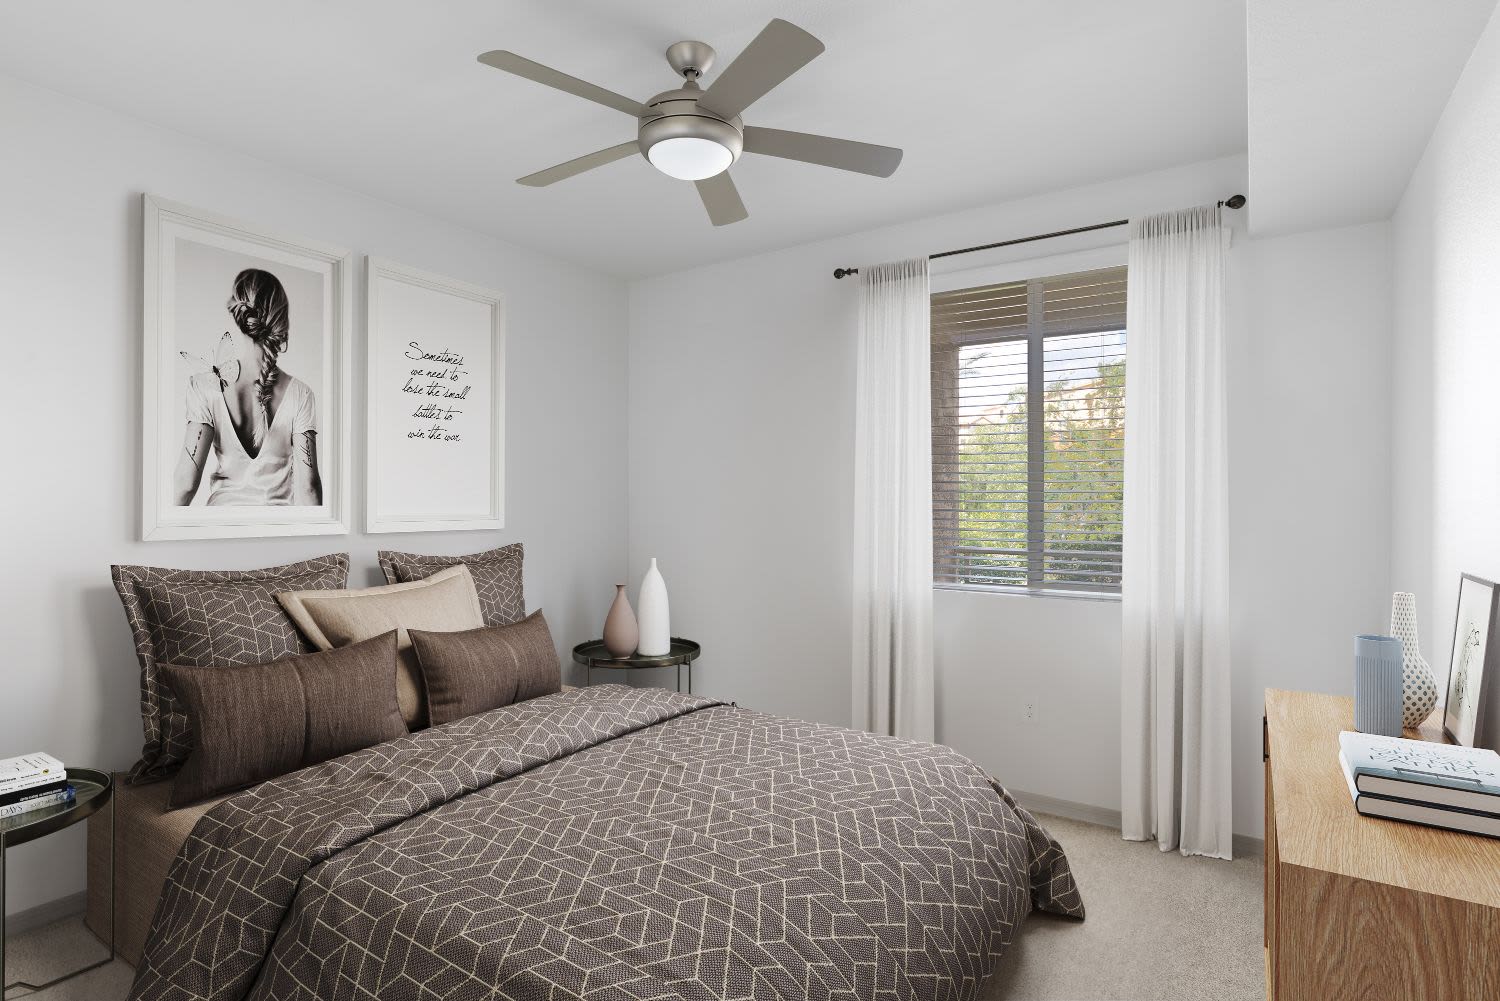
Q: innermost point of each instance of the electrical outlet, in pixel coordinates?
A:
(1029, 715)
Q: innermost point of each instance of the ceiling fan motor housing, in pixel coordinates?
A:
(675, 114)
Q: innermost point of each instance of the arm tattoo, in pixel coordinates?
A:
(309, 457)
(194, 451)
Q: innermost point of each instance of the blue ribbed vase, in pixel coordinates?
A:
(1377, 685)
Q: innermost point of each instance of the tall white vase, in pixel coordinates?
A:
(1418, 688)
(653, 616)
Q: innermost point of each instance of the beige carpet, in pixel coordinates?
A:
(1160, 928)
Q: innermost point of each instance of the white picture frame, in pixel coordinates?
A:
(190, 271)
(433, 463)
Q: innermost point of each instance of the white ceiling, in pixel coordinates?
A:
(1343, 96)
(991, 100)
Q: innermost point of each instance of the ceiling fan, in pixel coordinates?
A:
(694, 134)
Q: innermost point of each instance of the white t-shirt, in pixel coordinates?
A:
(238, 478)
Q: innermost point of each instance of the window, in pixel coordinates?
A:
(1028, 433)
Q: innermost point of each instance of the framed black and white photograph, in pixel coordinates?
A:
(1469, 664)
(435, 447)
(245, 382)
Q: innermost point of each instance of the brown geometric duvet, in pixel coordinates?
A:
(608, 843)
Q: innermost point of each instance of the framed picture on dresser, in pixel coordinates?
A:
(435, 391)
(245, 405)
(1469, 664)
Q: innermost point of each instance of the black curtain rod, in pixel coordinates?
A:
(1232, 202)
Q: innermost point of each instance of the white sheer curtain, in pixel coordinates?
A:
(893, 684)
(1175, 774)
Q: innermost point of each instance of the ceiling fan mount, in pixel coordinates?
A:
(690, 59)
(694, 134)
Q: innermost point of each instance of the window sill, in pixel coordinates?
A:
(1026, 592)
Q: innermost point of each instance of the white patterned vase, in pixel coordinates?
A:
(1418, 688)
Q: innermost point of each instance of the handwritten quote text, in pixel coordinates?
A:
(440, 380)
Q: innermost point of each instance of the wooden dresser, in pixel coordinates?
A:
(1359, 907)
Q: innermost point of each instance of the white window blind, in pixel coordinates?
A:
(1028, 433)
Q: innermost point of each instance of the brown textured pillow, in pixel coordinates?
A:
(207, 618)
(496, 573)
(445, 601)
(253, 722)
(478, 669)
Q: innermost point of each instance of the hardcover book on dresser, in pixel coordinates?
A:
(1420, 782)
(1466, 778)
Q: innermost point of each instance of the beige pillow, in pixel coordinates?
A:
(444, 602)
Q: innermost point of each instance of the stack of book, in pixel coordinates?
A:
(1439, 785)
(32, 782)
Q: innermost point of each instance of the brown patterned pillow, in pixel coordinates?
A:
(496, 573)
(469, 672)
(207, 618)
(253, 722)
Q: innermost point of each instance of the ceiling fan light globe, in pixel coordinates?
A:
(690, 158)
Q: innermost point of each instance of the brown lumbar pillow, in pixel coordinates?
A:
(253, 722)
(478, 669)
(207, 618)
(496, 573)
(445, 601)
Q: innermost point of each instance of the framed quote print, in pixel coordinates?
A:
(435, 390)
(245, 380)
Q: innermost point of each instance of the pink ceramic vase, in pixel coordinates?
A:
(621, 634)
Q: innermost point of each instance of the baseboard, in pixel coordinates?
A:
(1098, 815)
(1245, 846)
(45, 914)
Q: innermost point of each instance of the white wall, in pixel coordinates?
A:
(997, 654)
(1310, 510)
(741, 378)
(741, 479)
(70, 280)
(1447, 355)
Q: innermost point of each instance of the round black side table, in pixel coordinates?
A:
(681, 654)
(92, 790)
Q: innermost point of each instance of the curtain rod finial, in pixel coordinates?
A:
(843, 272)
(1234, 202)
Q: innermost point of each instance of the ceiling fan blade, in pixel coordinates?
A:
(722, 199)
(845, 154)
(589, 161)
(521, 66)
(780, 50)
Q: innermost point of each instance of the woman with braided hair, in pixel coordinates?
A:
(260, 422)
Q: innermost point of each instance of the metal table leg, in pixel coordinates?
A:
(4, 987)
(2, 917)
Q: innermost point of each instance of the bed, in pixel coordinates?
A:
(609, 843)
(147, 834)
